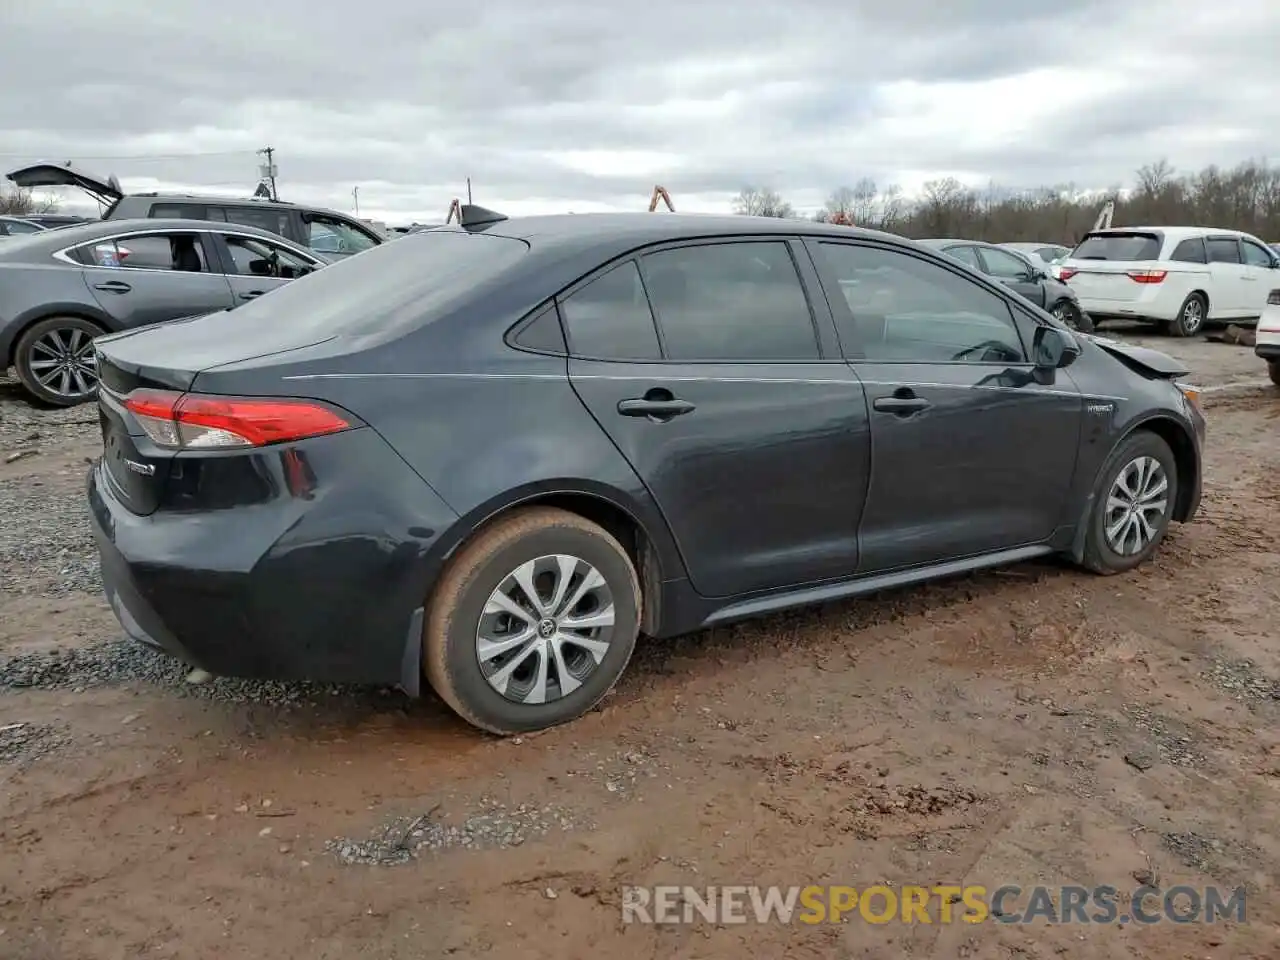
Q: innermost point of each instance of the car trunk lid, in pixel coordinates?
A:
(105, 190)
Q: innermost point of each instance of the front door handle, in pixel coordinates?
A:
(656, 405)
(901, 406)
(113, 286)
(252, 294)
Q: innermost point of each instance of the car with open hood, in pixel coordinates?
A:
(61, 288)
(327, 232)
(490, 457)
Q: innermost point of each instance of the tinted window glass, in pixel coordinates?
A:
(257, 258)
(1254, 254)
(179, 251)
(17, 227)
(966, 255)
(178, 211)
(543, 333)
(327, 235)
(609, 318)
(1050, 254)
(1223, 250)
(731, 301)
(273, 221)
(907, 309)
(1189, 251)
(1007, 266)
(1118, 246)
(395, 287)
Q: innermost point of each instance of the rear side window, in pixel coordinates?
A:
(1223, 250)
(1190, 250)
(180, 252)
(731, 301)
(392, 288)
(1118, 246)
(610, 318)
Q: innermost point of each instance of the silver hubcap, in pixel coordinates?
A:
(1192, 315)
(63, 362)
(1136, 506)
(545, 629)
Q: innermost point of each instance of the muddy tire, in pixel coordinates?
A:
(54, 361)
(532, 622)
(1192, 316)
(1273, 371)
(1132, 504)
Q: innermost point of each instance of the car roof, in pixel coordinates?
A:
(212, 200)
(1173, 231)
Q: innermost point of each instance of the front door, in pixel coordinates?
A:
(1260, 276)
(1230, 287)
(969, 454)
(255, 266)
(733, 407)
(150, 278)
(1014, 272)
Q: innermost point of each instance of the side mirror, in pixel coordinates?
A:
(1053, 348)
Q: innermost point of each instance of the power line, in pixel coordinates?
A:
(138, 157)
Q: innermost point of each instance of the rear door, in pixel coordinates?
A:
(970, 454)
(140, 279)
(719, 378)
(1014, 272)
(1260, 275)
(1230, 279)
(255, 266)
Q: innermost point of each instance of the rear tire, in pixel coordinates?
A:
(509, 662)
(1132, 504)
(1191, 316)
(1273, 371)
(54, 361)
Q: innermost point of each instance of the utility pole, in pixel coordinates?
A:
(355, 196)
(268, 169)
(468, 191)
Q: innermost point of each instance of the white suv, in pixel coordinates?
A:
(1267, 345)
(1178, 277)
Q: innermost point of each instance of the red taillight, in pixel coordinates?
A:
(1066, 273)
(190, 421)
(1147, 276)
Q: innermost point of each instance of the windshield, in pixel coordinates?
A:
(1118, 246)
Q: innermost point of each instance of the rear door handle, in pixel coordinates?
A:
(657, 409)
(900, 405)
(113, 286)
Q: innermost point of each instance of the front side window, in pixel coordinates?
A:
(180, 252)
(1006, 266)
(610, 319)
(739, 301)
(909, 310)
(328, 235)
(1255, 255)
(259, 258)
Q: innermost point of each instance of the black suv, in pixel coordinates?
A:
(324, 231)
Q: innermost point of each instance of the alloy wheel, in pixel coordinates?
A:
(1192, 316)
(64, 363)
(1136, 506)
(545, 628)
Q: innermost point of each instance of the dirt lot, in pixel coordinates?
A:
(1036, 725)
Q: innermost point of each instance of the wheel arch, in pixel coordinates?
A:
(646, 539)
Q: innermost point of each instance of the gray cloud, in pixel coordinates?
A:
(564, 104)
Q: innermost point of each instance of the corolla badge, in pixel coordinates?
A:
(146, 469)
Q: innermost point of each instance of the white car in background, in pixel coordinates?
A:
(1178, 277)
(1267, 344)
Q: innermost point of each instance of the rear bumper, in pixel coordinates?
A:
(324, 583)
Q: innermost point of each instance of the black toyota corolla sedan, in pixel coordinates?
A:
(495, 454)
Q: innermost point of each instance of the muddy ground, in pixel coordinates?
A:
(1034, 725)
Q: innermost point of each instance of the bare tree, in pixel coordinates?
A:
(15, 201)
(761, 202)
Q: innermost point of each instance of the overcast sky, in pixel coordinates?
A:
(555, 105)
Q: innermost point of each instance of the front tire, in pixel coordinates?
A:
(1191, 316)
(1132, 504)
(55, 361)
(533, 622)
(1073, 316)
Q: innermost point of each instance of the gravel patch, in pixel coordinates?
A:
(46, 546)
(122, 661)
(495, 826)
(23, 743)
(1243, 679)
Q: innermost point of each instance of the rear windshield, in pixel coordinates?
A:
(1118, 246)
(390, 287)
